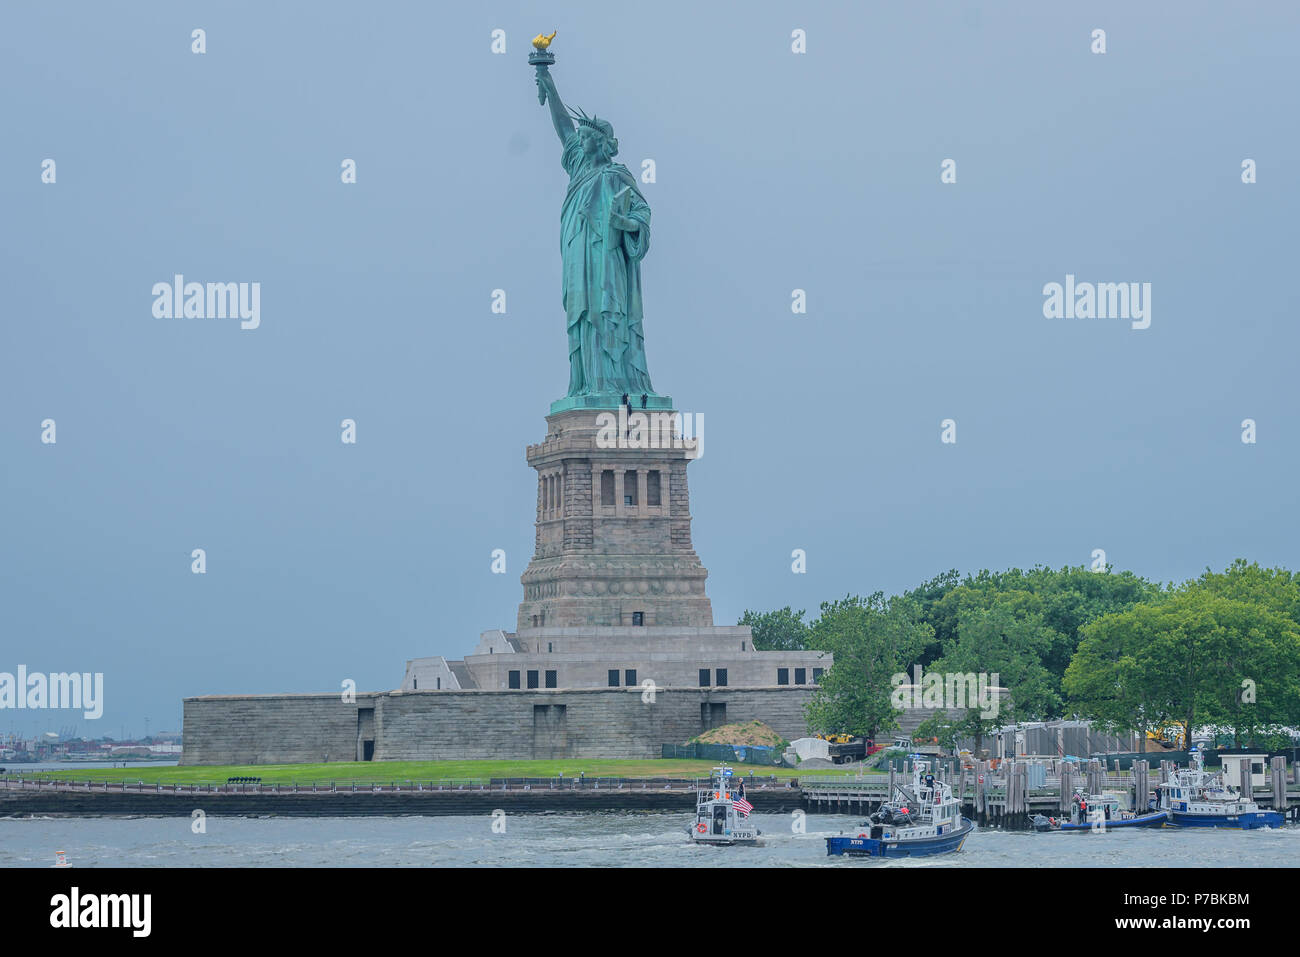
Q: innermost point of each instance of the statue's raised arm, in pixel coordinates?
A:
(564, 124)
(542, 58)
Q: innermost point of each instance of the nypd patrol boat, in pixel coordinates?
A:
(921, 820)
(1097, 813)
(1194, 797)
(722, 813)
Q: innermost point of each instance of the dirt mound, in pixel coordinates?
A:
(744, 733)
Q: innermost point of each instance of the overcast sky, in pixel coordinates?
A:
(775, 171)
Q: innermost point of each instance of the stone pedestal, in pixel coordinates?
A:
(613, 544)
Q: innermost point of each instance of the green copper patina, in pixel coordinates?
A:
(604, 235)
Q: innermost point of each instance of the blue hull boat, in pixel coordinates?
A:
(862, 846)
(1195, 797)
(923, 820)
(1245, 821)
(1045, 825)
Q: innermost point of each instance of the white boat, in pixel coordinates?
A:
(1194, 797)
(722, 813)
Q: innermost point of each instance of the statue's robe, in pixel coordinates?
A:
(602, 277)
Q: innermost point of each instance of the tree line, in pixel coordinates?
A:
(1219, 651)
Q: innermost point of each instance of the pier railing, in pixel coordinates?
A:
(880, 782)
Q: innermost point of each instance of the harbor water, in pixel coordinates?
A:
(623, 839)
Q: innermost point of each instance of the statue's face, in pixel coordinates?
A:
(591, 141)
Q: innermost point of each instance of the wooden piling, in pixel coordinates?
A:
(1094, 777)
(1141, 788)
(1017, 793)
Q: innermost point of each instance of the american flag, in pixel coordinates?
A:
(743, 806)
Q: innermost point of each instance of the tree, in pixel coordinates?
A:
(872, 640)
(1010, 641)
(1186, 657)
(1265, 699)
(1273, 588)
(1062, 601)
(927, 596)
(781, 630)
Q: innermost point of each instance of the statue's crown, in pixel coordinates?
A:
(594, 122)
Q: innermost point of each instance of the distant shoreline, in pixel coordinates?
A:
(24, 767)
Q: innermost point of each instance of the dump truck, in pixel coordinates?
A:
(844, 747)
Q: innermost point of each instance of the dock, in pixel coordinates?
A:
(1003, 797)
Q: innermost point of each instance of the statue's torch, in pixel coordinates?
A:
(541, 57)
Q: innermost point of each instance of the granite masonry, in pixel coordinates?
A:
(438, 725)
(614, 653)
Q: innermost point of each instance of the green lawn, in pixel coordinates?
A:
(386, 772)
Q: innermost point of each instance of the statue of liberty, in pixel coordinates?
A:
(604, 234)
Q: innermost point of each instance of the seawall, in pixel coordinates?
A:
(363, 801)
